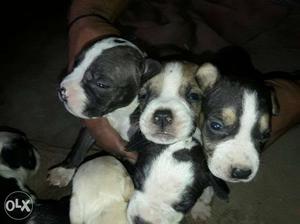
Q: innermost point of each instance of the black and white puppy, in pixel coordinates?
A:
(235, 119)
(104, 82)
(171, 172)
(18, 160)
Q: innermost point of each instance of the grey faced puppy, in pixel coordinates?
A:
(106, 76)
(104, 82)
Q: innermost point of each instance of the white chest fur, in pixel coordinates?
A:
(120, 119)
(164, 186)
(169, 174)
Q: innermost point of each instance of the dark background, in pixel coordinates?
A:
(34, 53)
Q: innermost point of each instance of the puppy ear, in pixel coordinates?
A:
(206, 76)
(220, 187)
(151, 68)
(274, 101)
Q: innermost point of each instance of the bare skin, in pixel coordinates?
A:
(107, 138)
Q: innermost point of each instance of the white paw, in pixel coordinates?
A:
(60, 176)
(201, 211)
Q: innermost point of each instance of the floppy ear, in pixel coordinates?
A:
(206, 76)
(220, 187)
(151, 68)
(274, 101)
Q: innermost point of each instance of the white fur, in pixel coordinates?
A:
(60, 176)
(169, 99)
(208, 75)
(120, 119)
(202, 209)
(74, 91)
(239, 151)
(163, 187)
(101, 191)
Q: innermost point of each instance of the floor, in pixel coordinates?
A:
(35, 53)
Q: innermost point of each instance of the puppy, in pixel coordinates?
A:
(235, 119)
(106, 76)
(101, 191)
(171, 171)
(169, 179)
(170, 103)
(18, 160)
(104, 82)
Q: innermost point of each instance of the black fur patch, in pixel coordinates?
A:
(19, 153)
(182, 155)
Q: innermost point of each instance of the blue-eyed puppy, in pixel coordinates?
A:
(235, 122)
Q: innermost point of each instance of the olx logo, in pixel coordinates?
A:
(18, 205)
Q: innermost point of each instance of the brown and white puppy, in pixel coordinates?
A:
(171, 172)
(170, 104)
(235, 122)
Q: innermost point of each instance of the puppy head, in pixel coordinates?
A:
(235, 123)
(143, 210)
(18, 158)
(105, 77)
(170, 103)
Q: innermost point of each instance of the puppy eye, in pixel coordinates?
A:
(216, 126)
(142, 96)
(194, 97)
(101, 85)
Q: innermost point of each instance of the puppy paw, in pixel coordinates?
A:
(60, 176)
(201, 211)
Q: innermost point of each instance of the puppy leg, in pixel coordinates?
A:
(62, 174)
(202, 209)
(76, 212)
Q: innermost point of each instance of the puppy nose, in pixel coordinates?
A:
(240, 173)
(139, 220)
(62, 93)
(162, 118)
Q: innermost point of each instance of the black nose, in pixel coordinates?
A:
(240, 173)
(162, 118)
(62, 94)
(139, 220)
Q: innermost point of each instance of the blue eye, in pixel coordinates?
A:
(194, 97)
(216, 126)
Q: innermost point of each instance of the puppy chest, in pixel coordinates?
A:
(168, 178)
